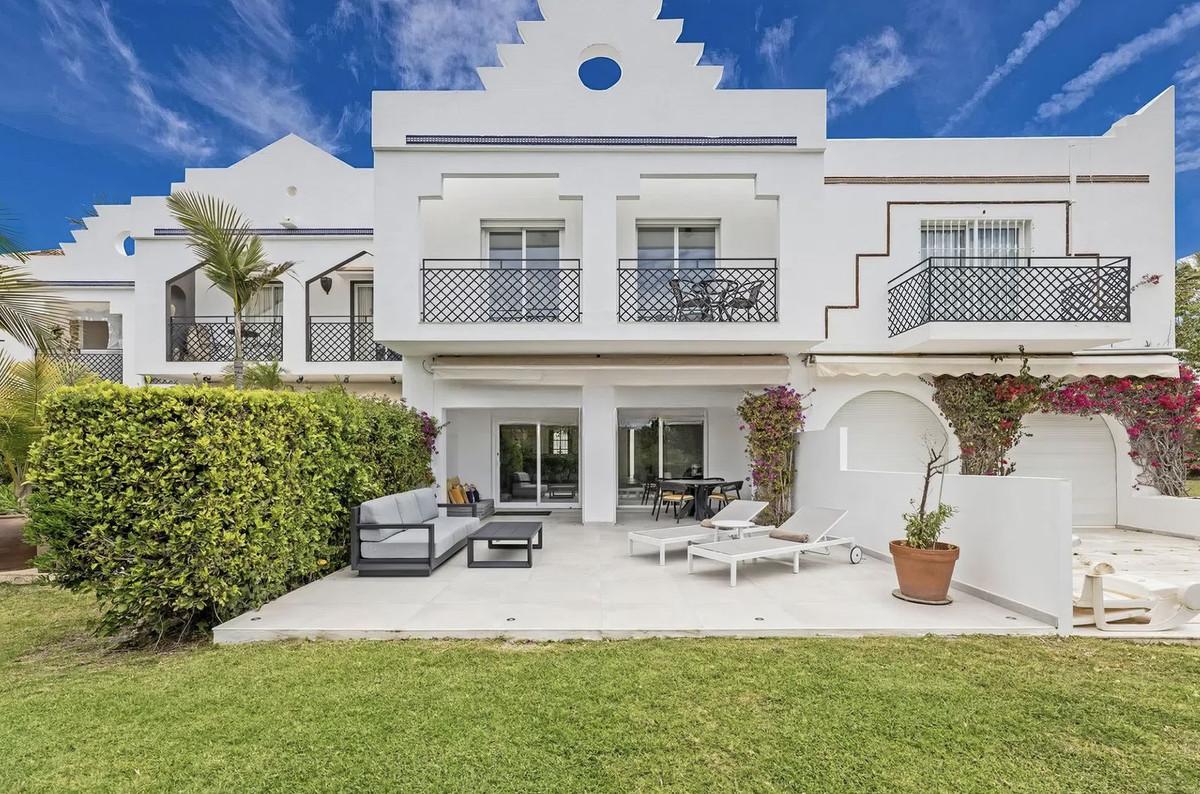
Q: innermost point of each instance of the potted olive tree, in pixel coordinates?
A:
(23, 385)
(925, 565)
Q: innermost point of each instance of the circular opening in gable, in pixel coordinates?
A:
(599, 74)
(125, 245)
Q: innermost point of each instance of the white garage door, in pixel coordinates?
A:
(1077, 449)
(887, 431)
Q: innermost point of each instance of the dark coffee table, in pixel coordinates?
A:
(506, 535)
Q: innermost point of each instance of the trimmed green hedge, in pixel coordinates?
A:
(183, 507)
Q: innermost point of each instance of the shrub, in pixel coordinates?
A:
(771, 421)
(183, 507)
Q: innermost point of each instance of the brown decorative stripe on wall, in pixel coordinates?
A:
(1086, 179)
(998, 179)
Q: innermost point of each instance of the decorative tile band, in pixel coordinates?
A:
(597, 140)
(318, 232)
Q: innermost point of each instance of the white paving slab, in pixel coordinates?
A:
(584, 585)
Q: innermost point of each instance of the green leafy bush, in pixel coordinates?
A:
(182, 507)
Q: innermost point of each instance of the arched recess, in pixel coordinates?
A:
(888, 431)
(1078, 449)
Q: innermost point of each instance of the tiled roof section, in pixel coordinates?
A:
(281, 232)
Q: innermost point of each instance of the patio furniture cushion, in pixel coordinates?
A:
(427, 503)
(410, 510)
(383, 510)
(414, 543)
(794, 537)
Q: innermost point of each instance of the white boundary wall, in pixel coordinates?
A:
(1015, 532)
(1169, 515)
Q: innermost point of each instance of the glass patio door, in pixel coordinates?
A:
(524, 284)
(538, 464)
(653, 447)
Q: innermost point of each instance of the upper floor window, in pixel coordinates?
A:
(362, 299)
(980, 242)
(677, 247)
(523, 248)
(267, 302)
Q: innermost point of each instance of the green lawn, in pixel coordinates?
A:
(1194, 488)
(698, 715)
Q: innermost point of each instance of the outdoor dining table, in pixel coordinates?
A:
(700, 489)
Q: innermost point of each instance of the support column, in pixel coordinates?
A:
(295, 325)
(598, 432)
(599, 256)
(419, 390)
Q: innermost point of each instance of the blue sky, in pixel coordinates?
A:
(104, 100)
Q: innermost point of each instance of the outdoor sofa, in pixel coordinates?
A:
(407, 534)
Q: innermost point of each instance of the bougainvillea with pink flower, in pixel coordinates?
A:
(1161, 417)
(771, 421)
(986, 413)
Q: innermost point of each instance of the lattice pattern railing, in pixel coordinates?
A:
(211, 339)
(104, 364)
(697, 290)
(1022, 290)
(334, 339)
(514, 291)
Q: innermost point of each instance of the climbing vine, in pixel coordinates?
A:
(771, 421)
(986, 413)
(1161, 417)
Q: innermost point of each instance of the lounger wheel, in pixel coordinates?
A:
(855, 555)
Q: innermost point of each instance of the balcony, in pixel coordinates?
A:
(1010, 290)
(210, 339)
(697, 291)
(342, 339)
(510, 291)
(105, 364)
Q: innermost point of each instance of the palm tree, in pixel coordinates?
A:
(29, 312)
(231, 256)
(23, 387)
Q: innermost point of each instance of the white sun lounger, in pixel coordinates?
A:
(1113, 602)
(815, 522)
(661, 538)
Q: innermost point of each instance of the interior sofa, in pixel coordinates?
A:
(407, 534)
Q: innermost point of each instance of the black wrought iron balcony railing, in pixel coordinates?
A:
(500, 291)
(210, 339)
(1025, 289)
(337, 339)
(697, 291)
(104, 364)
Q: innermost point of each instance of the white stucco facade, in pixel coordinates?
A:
(511, 241)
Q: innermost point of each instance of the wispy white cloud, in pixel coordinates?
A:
(727, 59)
(776, 42)
(246, 91)
(108, 70)
(866, 70)
(1030, 40)
(266, 22)
(1080, 88)
(1187, 121)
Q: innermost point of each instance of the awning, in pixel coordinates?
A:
(632, 369)
(1078, 366)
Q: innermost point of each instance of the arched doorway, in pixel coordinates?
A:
(1080, 450)
(888, 431)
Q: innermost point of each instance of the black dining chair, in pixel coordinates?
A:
(689, 305)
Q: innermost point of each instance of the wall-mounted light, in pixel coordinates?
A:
(326, 284)
(300, 379)
(345, 380)
(393, 380)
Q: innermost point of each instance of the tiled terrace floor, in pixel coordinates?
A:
(585, 586)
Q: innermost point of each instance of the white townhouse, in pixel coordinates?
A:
(582, 282)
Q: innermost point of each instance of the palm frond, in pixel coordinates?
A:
(8, 238)
(24, 385)
(29, 311)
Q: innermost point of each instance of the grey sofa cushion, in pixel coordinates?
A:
(414, 543)
(383, 510)
(427, 503)
(410, 511)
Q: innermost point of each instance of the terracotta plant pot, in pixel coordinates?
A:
(15, 553)
(924, 574)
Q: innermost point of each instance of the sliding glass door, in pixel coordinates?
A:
(652, 446)
(538, 464)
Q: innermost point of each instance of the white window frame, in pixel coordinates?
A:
(971, 252)
(675, 226)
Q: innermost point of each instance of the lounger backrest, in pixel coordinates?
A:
(816, 522)
(740, 510)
